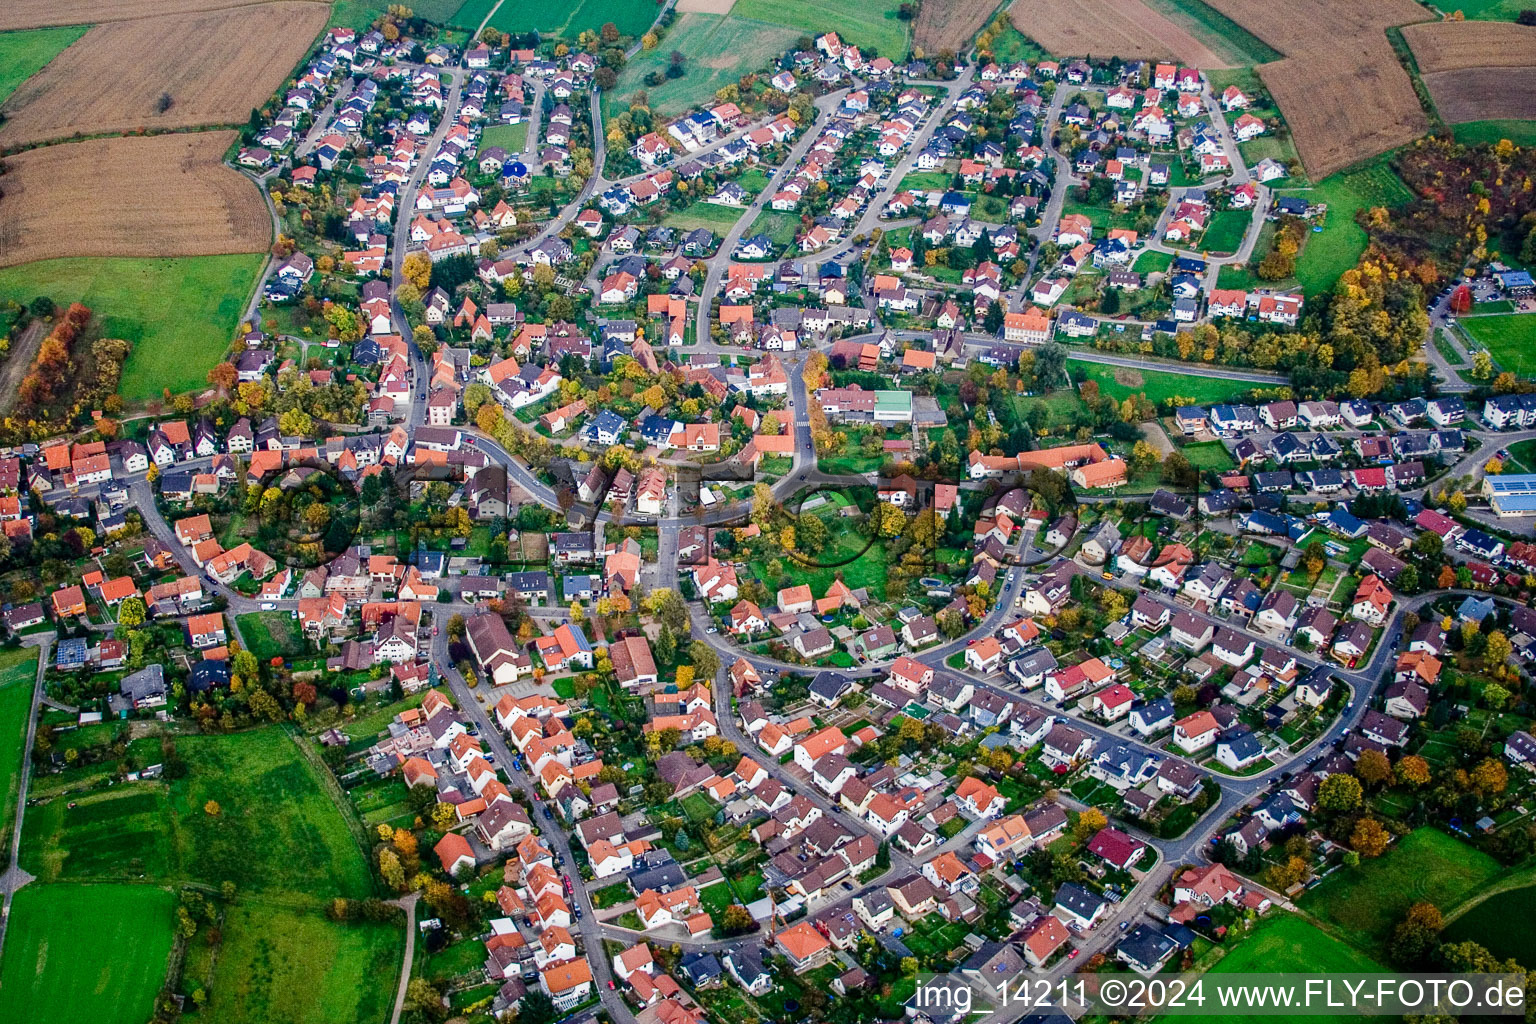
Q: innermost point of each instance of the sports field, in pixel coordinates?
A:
(1329, 253)
(1511, 339)
(276, 828)
(85, 953)
(717, 51)
(24, 54)
(180, 314)
(281, 966)
(1426, 864)
(871, 25)
(18, 675)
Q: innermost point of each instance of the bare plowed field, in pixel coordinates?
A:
(1105, 28)
(166, 195)
(948, 24)
(36, 13)
(1341, 88)
(1484, 94)
(213, 68)
(1454, 45)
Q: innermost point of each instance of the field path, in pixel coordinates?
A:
(408, 904)
(476, 35)
(17, 362)
(14, 878)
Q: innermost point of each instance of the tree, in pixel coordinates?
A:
(1412, 770)
(444, 816)
(1495, 655)
(417, 269)
(212, 809)
(1089, 823)
(1489, 777)
(132, 613)
(1369, 838)
(1373, 767)
(1339, 793)
(1416, 934)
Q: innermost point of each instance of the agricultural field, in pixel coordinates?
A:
(24, 54)
(1492, 10)
(1426, 864)
(1284, 943)
(212, 68)
(1123, 28)
(1504, 923)
(1344, 93)
(277, 965)
(18, 676)
(1328, 253)
(37, 13)
(871, 25)
(1121, 382)
(1511, 339)
(1231, 42)
(180, 314)
(567, 19)
(1456, 45)
(718, 51)
(54, 197)
(261, 785)
(948, 24)
(1483, 94)
(85, 952)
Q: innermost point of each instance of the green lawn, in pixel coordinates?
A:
(1157, 385)
(510, 137)
(24, 54)
(1424, 865)
(18, 675)
(566, 19)
(85, 953)
(1226, 230)
(270, 634)
(1338, 247)
(1225, 37)
(1285, 943)
(276, 827)
(1476, 133)
(779, 225)
(180, 314)
(1211, 455)
(716, 218)
(283, 966)
(1152, 261)
(871, 25)
(1504, 923)
(1508, 338)
(1013, 46)
(718, 51)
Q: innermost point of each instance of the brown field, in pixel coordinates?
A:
(949, 24)
(1454, 45)
(1108, 28)
(165, 195)
(37, 13)
(215, 67)
(1341, 88)
(1484, 94)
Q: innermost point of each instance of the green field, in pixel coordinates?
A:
(1151, 261)
(779, 225)
(718, 51)
(360, 14)
(18, 675)
(719, 219)
(1211, 455)
(566, 19)
(472, 13)
(1492, 10)
(1504, 923)
(1424, 865)
(277, 828)
(1476, 133)
(1284, 943)
(1226, 230)
(270, 634)
(1225, 37)
(24, 54)
(180, 314)
(287, 967)
(85, 953)
(1508, 338)
(871, 25)
(1157, 385)
(510, 137)
(1338, 247)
